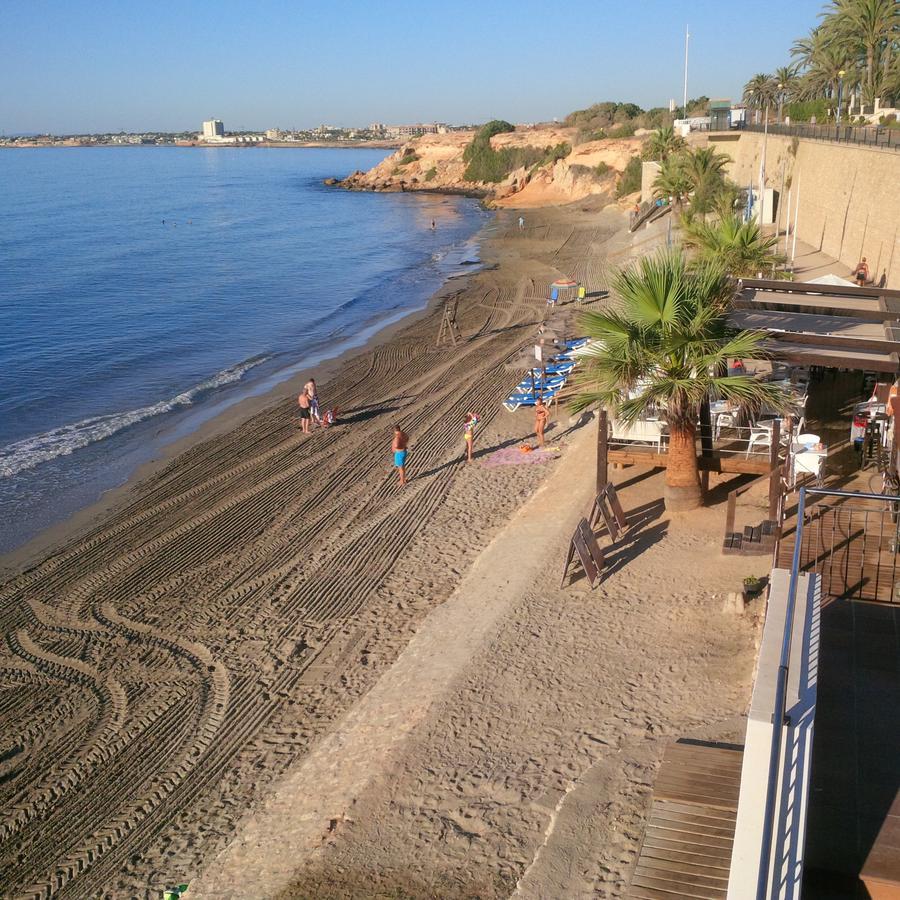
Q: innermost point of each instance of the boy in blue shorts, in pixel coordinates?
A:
(400, 442)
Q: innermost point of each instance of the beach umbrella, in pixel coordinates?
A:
(564, 283)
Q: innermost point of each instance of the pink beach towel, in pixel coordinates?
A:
(513, 456)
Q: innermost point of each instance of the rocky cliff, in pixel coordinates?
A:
(434, 162)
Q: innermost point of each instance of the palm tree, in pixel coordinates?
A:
(663, 143)
(670, 336)
(760, 91)
(704, 169)
(739, 246)
(672, 183)
(869, 25)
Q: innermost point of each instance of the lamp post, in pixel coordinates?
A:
(841, 75)
(780, 100)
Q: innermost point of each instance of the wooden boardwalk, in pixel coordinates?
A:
(687, 844)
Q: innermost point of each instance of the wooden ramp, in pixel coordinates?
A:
(687, 842)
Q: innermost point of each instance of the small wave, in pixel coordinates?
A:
(65, 440)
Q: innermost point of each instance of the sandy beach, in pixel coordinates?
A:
(174, 652)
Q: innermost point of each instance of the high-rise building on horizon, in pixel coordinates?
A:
(213, 128)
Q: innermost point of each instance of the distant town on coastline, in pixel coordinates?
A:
(212, 132)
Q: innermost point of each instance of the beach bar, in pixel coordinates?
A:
(815, 810)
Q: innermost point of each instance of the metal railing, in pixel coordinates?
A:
(779, 713)
(852, 544)
(652, 436)
(863, 135)
(886, 505)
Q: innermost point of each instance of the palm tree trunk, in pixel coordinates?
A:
(682, 474)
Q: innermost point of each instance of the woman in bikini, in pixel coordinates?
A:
(469, 427)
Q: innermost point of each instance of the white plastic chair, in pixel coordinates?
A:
(808, 462)
(723, 420)
(759, 435)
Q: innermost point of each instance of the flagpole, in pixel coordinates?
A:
(687, 37)
(796, 219)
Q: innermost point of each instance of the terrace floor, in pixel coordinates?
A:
(853, 828)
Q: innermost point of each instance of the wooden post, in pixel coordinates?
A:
(706, 441)
(774, 469)
(729, 513)
(602, 450)
(775, 474)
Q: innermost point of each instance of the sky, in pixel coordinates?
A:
(78, 66)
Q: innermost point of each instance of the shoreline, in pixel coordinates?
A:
(19, 559)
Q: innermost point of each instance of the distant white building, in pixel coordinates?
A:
(213, 129)
(404, 131)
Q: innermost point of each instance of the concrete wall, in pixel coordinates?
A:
(849, 196)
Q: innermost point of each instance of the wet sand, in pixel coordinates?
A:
(173, 652)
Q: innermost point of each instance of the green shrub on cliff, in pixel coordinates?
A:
(484, 163)
(631, 178)
(429, 175)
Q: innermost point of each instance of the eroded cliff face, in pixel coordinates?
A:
(434, 162)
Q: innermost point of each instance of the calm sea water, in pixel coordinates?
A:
(144, 289)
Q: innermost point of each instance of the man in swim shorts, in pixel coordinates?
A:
(400, 442)
(304, 403)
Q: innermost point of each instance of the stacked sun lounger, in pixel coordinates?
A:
(545, 383)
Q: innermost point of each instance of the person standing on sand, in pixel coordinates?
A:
(469, 427)
(521, 223)
(862, 273)
(313, 394)
(541, 418)
(398, 446)
(304, 403)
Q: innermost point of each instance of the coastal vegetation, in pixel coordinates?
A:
(487, 164)
(610, 119)
(854, 51)
(631, 178)
(662, 351)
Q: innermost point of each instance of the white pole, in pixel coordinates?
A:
(787, 224)
(796, 219)
(687, 37)
(762, 167)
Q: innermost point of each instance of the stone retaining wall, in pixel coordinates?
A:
(849, 195)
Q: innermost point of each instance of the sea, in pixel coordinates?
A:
(143, 290)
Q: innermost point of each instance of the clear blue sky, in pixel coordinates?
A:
(98, 65)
